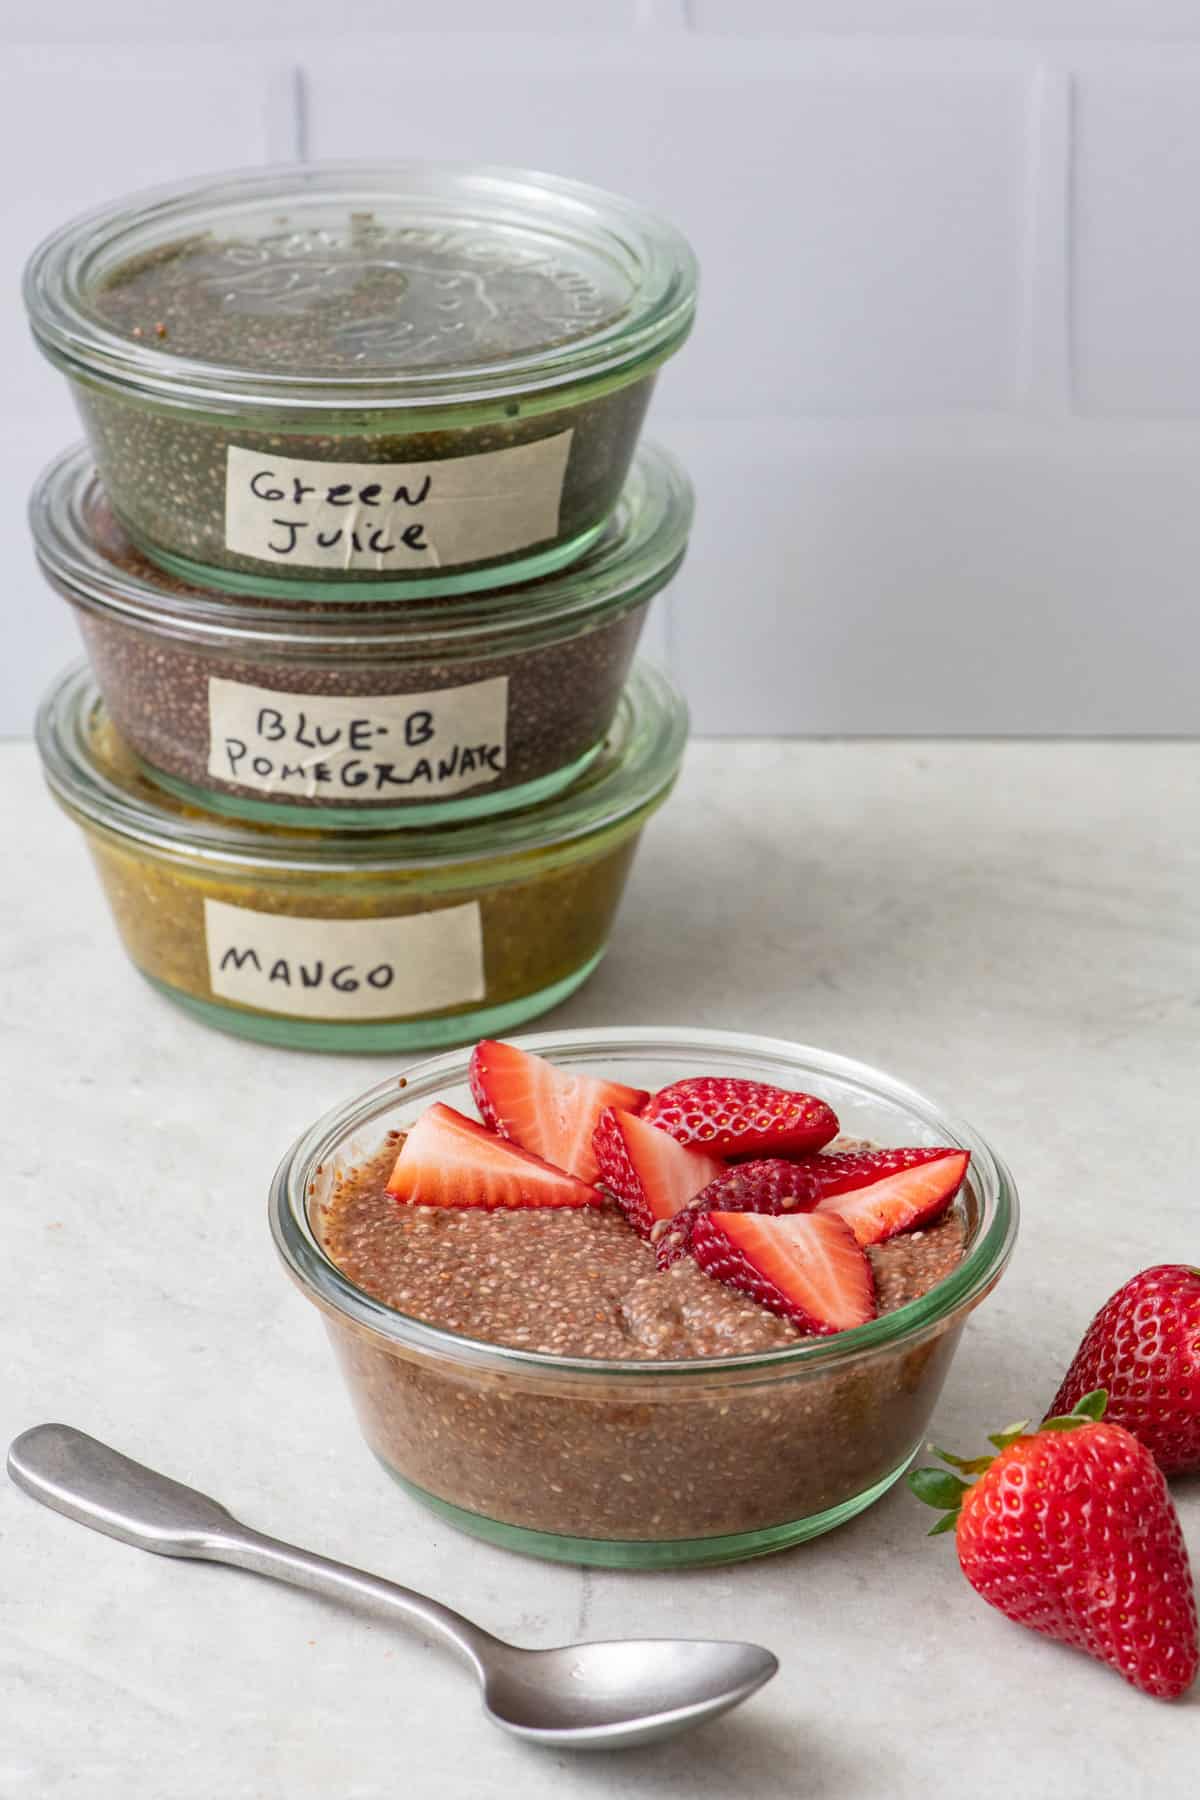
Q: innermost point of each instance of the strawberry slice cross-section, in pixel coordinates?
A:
(878, 1192)
(450, 1160)
(543, 1108)
(808, 1268)
(769, 1186)
(881, 1192)
(726, 1116)
(650, 1176)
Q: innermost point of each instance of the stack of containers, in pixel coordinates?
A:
(361, 546)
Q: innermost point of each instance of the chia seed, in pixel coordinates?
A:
(576, 1281)
(641, 1456)
(535, 894)
(165, 475)
(563, 645)
(403, 316)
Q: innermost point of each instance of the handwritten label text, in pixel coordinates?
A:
(394, 518)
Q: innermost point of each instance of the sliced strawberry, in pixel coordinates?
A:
(808, 1268)
(545, 1109)
(877, 1192)
(886, 1191)
(650, 1176)
(672, 1238)
(769, 1186)
(449, 1160)
(741, 1118)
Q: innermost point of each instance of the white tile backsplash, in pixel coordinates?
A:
(1085, 20)
(1007, 579)
(1135, 269)
(261, 21)
(860, 233)
(943, 401)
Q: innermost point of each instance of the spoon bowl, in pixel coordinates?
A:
(625, 1691)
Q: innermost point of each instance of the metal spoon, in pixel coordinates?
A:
(598, 1696)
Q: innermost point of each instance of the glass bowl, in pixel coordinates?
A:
(637, 1464)
(406, 713)
(363, 940)
(403, 377)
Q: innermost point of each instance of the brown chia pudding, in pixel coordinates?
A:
(287, 376)
(535, 1379)
(371, 939)
(577, 1281)
(509, 694)
(614, 1459)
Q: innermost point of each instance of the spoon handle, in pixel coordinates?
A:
(96, 1486)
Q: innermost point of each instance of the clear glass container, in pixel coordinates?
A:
(360, 940)
(411, 378)
(402, 713)
(632, 1463)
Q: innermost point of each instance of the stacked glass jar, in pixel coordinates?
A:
(361, 546)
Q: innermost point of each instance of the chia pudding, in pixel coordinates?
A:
(409, 713)
(415, 377)
(537, 1381)
(543, 1380)
(365, 940)
(576, 1281)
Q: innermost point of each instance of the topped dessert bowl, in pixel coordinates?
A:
(718, 1431)
(402, 377)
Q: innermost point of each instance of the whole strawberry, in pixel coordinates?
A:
(1071, 1531)
(1143, 1347)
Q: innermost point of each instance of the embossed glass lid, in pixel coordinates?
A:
(342, 284)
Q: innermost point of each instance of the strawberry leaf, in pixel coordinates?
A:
(947, 1522)
(970, 1465)
(1010, 1434)
(1085, 1412)
(936, 1487)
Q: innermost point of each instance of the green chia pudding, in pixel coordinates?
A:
(403, 713)
(420, 377)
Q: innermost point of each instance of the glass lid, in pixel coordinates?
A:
(343, 284)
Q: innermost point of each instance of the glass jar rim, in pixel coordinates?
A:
(64, 272)
(629, 779)
(321, 1279)
(638, 552)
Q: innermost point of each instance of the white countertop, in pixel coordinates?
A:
(1012, 927)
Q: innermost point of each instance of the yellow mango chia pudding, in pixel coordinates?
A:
(559, 1374)
(363, 940)
(411, 377)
